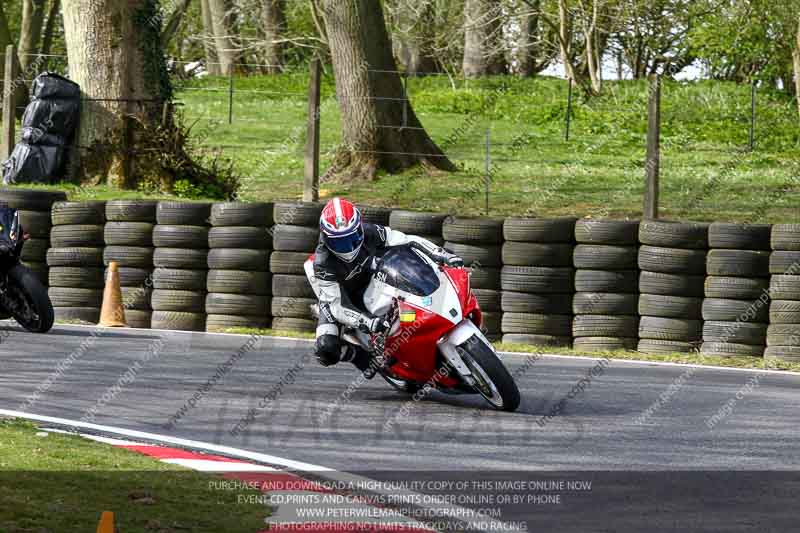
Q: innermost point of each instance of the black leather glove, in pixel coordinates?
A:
(376, 324)
(446, 258)
(454, 261)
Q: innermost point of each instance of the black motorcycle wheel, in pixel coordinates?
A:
(492, 379)
(27, 301)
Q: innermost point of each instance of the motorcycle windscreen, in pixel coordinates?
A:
(403, 268)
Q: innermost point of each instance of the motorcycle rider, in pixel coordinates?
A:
(342, 269)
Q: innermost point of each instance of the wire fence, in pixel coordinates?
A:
(522, 140)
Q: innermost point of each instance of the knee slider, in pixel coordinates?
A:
(329, 348)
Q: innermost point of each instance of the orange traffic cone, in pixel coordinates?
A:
(112, 315)
(106, 524)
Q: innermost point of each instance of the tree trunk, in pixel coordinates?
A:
(565, 40)
(371, 97)
(31, 32)
(115, 56)
(273, 21)
(20, 88)
(209, 42)
(222, 22)
(5, 39)
(592, 48)
(796, 62)
(483, 27)
(49, 30)
(417, 42)
(527, 55)
(174, 22)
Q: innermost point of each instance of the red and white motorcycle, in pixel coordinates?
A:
(435, 338)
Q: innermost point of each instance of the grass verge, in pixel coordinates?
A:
(62, 483)
(707, 170)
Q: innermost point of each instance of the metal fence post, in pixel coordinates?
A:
(405, 99)
(311, 177)
(753, 116)
(569, 110)
(230, 97)
(488, 166)
(9, 113)
(653, 163)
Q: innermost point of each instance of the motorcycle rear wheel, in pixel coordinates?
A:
(27, 301)
(492, 379)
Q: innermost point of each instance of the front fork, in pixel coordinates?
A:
(448, 346)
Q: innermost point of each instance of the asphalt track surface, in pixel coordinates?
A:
(328, 416)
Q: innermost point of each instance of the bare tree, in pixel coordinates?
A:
(415, 35)
(21, 91)
(174, 21)
(273, 25)
(49, 31)
(5, 36)
(483, 32)
(31, 31)
(209, 43)
(114, 53)
(379, 127)
(796, 64)
(535, 49)
(580, 39)
(593, 52)
(223, 24)
(653, 36)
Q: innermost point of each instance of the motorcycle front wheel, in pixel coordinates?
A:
(492, 379)
(27, 301)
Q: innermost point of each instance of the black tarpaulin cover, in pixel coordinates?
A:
(48, 125)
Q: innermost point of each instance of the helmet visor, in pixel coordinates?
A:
(346, 244)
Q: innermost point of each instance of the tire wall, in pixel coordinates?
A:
(672, 265)
(655, 286)
(537, 281)
(607, 292)
(75, 260)
(129, 242)
(295, 236)
(735, 317)
(783, 333)
(239, 283)
(180, 262)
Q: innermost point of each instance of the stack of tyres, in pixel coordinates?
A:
(76, 260)
(34, 214)
(375, 215)
(239, 282)
(479, 242)
(672, 260)
(736, 307)
(538, 281)
(181, 266)
(783, 334)
(295, 237)
(607, 285)
(419, 223)
(129, 243)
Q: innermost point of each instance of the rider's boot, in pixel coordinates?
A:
(360, 358)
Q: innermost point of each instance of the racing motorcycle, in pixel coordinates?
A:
(435, 339)
(22, 295)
